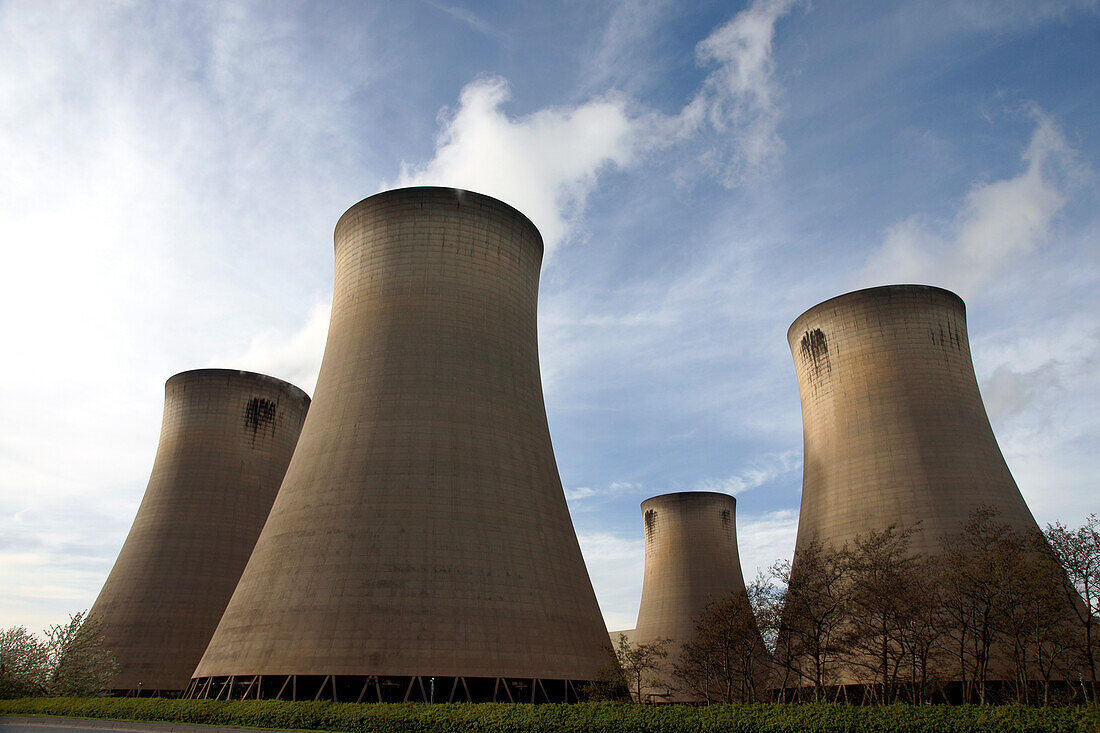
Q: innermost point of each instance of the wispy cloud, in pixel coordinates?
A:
(762, 472)
(765, 538)
(999, 222)
(1040, 387)
(616, 489)
(616, 566)
(547, 163)
(740, 98)
(621, 58)
(163, 164)
(468, 17)
(295, 357)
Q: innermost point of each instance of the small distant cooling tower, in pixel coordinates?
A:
(225, 443)
(690, 561)
(894, 427)
(420, 547)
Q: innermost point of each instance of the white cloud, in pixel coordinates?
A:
(762, 472)
(162, 163)
(579, 494)
(586, 498)
(740, 98)
(1040, 387)
(763, 539)
(1007, 392)
(999, 222)
(546, 163)
(616, 566)
(469, 18)
(622, 55)
(295, 358)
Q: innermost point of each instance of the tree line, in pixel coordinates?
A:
(70, 661)
(997, 615)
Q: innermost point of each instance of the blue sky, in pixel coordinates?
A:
(702, 173)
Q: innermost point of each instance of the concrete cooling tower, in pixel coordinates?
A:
(225, 443)
(690, 560)
(420, 547)
(894, 428)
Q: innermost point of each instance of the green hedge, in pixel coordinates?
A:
(596, 717)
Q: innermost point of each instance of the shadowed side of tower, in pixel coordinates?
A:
(225, 443)
(421, 530)
(691, 560)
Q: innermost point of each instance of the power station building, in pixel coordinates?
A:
(225, 443)
(691, 561)
(420, 547)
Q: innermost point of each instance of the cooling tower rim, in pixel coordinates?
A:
(460, 193)
(878, 290)
(686, 496)
(281, 384)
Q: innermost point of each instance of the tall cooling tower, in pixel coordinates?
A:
(894, 428)
(690, 560)
(225, 443)
(420, 547)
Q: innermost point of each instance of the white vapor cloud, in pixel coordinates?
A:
(296, 358)
(544, 164)
(999, 222)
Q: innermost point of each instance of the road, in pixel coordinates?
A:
(13, 724)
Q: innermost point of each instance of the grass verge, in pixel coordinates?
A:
(588, 717)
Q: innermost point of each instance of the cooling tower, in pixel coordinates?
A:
(225, 442)
(690, 561)
(894, 428)
(420, 546)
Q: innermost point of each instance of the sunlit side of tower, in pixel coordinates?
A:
(895, 432)
(894, 428)
(225, 443)
(421, 539)
(691, 560)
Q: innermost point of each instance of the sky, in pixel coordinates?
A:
(702, 173)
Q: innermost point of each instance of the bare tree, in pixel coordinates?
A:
(881, 570)
(1078, 552)
(924, 628)
(1055, 635)
(80, 665)
(1025, 594)
(640, 663)
(726, 661)
(814, 614)
(24, 664)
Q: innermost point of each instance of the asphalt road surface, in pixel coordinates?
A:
(90, 725)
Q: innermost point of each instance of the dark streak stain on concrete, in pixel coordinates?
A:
(259, 414)
(815, 347)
